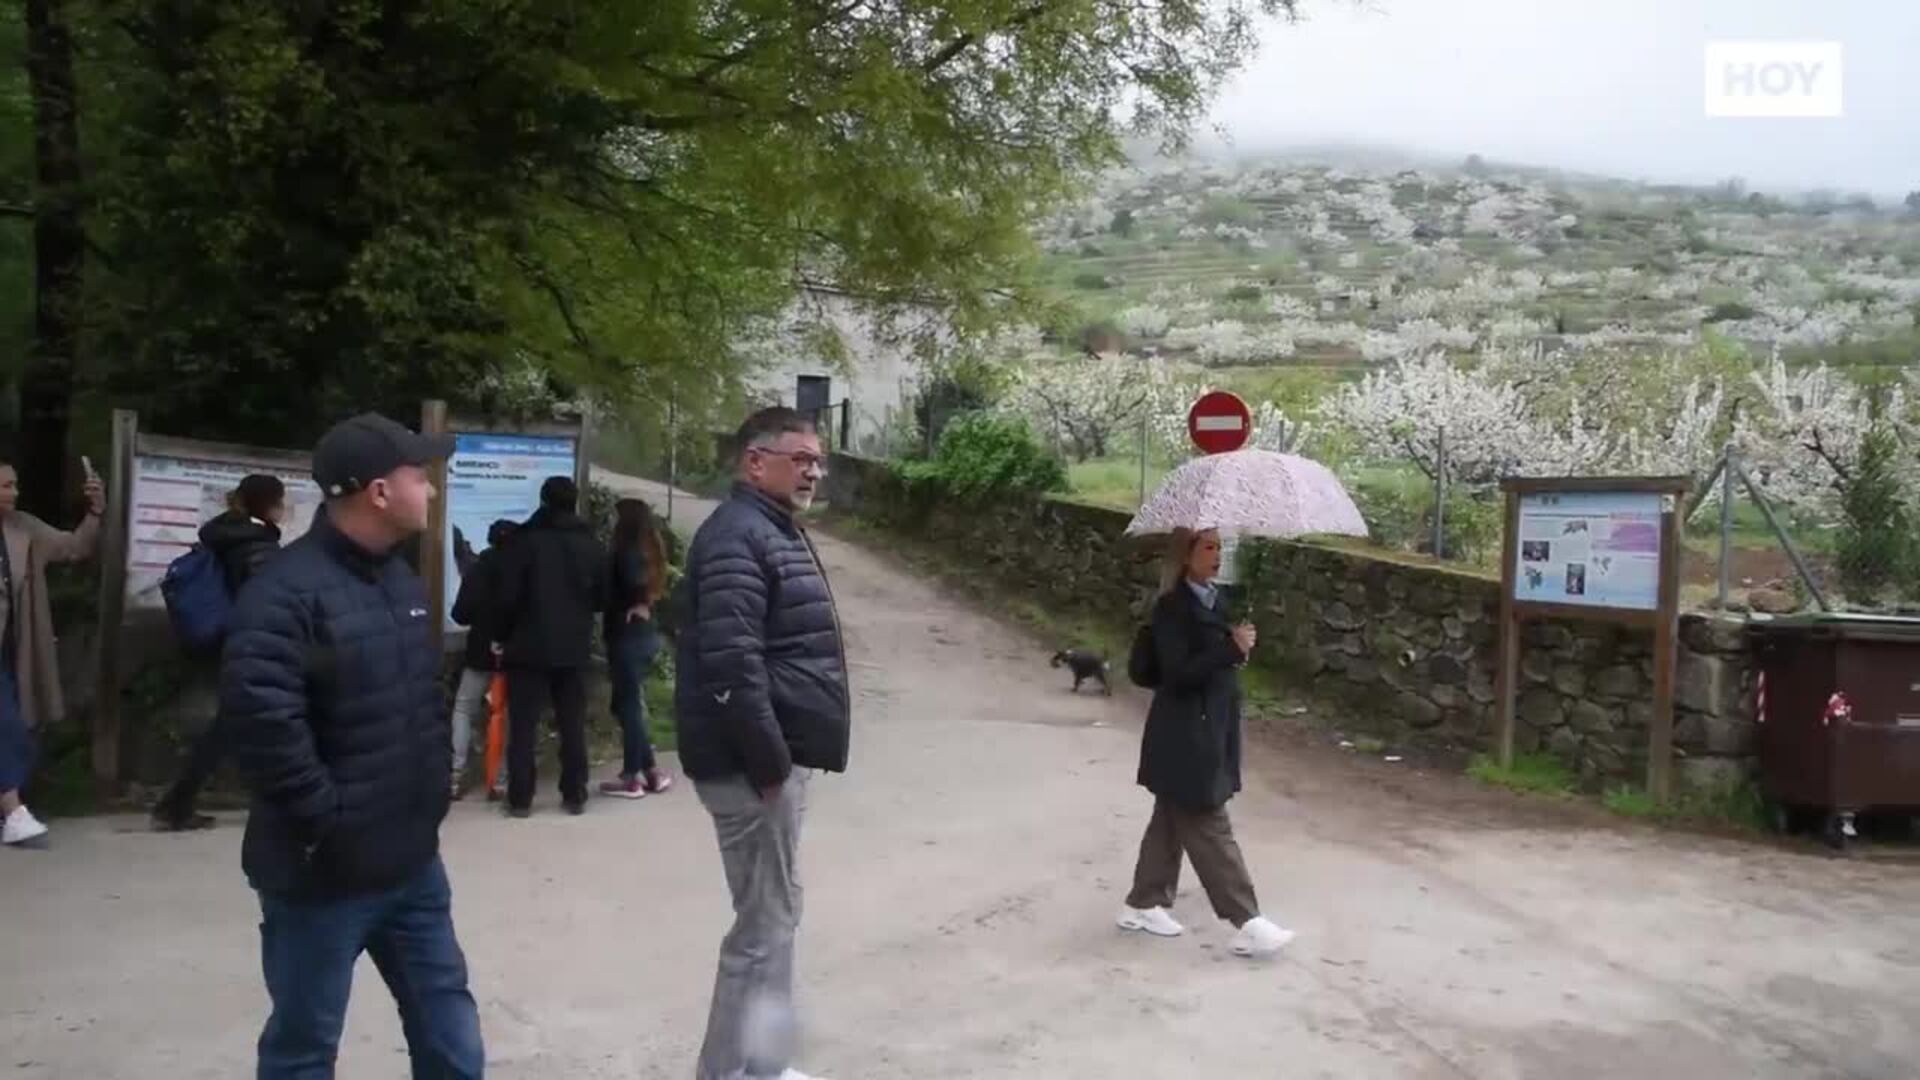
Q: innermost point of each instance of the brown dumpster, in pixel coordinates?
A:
(1837, 705)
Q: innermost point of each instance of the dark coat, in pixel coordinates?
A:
(760, 672)
(1190, 751)
(477, 607)
(553, 588)
(627, 589)
(242, 544)
(330, 684)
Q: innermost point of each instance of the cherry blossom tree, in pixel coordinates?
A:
(1082, 403)
(1400, 411)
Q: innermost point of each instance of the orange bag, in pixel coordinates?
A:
(496, 729)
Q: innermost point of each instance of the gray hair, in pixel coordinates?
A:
(765, 427)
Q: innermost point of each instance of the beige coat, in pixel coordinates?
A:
(32, 545)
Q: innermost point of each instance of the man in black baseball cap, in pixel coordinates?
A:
(369, 447)
(332, 684)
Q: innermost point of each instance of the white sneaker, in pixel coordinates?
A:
(22, 827)
(1154, 920)
(1260, 937)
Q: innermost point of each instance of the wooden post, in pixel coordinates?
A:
(1507, 668)
(583, 457)
(1665, 655)
(114, 537)
(433, 546)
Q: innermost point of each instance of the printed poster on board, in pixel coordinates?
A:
(491, 478)
(1592, 549)
(173, 496)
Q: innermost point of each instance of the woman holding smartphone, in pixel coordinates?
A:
(29, 666)
(1190, 754)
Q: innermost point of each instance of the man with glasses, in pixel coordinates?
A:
(761, 701)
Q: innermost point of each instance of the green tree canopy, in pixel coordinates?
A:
(311, 207)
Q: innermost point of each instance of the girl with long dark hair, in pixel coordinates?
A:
(639, 577)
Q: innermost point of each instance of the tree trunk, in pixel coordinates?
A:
(59, 253)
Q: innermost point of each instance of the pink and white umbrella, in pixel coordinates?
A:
(1251, 493)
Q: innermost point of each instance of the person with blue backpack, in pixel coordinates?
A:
(199, 591)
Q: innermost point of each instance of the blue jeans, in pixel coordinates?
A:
(308, 949)
(629, 658)
(16, 742)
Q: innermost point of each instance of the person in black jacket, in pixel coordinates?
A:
(476, 607)
(242, 539)
(553, 587)
(637, 573)
(1190, 755)
(761, 700)
(332, 684)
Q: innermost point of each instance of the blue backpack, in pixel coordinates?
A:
(195, 590)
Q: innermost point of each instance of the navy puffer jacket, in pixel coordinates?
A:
(761, 674)
(331, 686)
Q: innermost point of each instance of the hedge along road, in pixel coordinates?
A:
(961, 883)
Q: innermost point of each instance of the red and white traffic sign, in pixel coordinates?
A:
(1219, 422)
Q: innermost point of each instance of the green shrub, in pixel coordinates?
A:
(1474, 524)
(983, 456)
(1730, 311)
(1394, 505)
(1876, 546)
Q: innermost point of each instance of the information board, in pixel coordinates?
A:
(1590, 549)
(173, 495)
(494, 477)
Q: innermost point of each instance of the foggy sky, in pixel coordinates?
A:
(1607, 86)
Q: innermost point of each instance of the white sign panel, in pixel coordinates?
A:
(174, 495)
(1592, 549)
(492, 478)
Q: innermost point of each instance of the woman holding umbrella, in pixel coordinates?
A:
(1190, 754)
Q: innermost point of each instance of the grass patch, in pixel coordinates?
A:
(1735, 805)
(1113, 482)
(1631, 802)
(63, 786)
(1539, 774)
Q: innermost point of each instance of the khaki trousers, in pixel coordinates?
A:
(1206, 838)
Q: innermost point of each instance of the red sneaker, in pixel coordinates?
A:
(658, 781)
(627, 787)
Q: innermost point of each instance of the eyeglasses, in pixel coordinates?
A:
(803, 460)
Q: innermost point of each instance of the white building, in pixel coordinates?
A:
(865, 387)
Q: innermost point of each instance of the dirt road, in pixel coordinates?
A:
(962, 880)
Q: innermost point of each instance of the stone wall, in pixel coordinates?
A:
(1414, 645)
(1409, 647)
(1069, 556)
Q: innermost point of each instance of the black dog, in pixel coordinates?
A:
(1084, 665)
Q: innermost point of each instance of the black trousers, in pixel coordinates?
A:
(202, 759)
(529, 692)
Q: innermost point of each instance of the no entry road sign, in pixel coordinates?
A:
(1219, 422)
